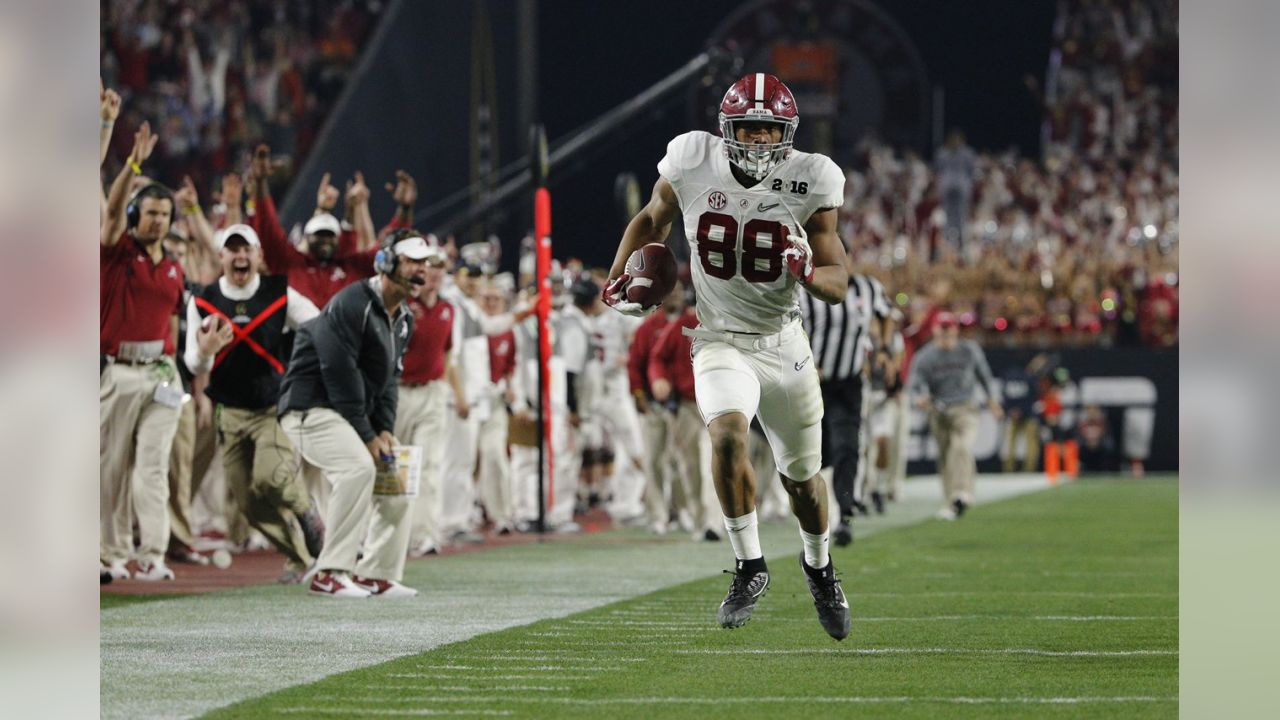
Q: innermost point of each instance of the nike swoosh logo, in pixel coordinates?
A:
(800, 365)
(766, 208)
(324, 587)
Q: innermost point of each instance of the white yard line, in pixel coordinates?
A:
(350, 711)
(196, 653)
(929, 651)
(741, 700)
(585, 675)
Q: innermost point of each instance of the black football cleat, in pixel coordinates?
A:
(960, 507)
(828, 599)
(748, 586)
(877, 502)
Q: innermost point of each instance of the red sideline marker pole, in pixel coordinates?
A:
(542, 232)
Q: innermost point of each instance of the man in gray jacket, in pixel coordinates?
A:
(943, 376)
(338, 407)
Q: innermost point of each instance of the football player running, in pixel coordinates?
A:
(760, 217)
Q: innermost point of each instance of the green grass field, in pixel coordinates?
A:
(1060, 603)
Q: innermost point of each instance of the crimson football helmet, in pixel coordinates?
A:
(758, 97)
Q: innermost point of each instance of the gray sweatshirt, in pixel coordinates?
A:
(949, 376)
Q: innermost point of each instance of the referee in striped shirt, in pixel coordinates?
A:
(843, 336)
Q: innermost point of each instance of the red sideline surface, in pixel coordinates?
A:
(264, 567)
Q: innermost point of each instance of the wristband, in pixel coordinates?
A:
(191, 210)
(108, 124)
(137, 169)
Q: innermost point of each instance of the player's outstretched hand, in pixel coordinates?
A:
(799, 256)
(615, 296)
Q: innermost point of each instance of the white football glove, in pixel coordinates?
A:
(615, 296)
(799, 256)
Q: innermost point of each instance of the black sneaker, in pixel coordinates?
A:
(749, 584)
(844, 532)
(960, 507)
(828, 599)
(312, 531)
(877, 502)
(711, 535)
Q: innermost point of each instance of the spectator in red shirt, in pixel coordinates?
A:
(659, 461)
(140, 392)
(333, 259)
(421, 415)
(671, 378)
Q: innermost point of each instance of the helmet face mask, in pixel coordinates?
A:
(758, 98)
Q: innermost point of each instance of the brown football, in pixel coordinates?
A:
(653, 274)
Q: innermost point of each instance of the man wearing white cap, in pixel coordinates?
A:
(338, 404)
(331, 261)
(236, 332)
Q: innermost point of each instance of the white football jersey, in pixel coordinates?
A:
(611, 335)
(737, 235)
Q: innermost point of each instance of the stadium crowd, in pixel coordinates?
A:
(216, 78)
(1078, 249)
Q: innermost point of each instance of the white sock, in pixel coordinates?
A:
(744, 536)
(815, 549)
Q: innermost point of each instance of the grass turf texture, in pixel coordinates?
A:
(107, 601)
(1057, 604)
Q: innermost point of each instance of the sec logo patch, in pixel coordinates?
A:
(717, 200)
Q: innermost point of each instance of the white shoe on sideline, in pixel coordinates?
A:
(152, 572)
(383, 588)
(118, 570)
(946, 513)
(335, 585)
(424, 548)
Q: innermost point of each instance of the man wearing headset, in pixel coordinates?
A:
(139, 390)
(338, 406)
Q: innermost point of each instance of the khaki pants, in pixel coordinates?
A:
(189, 461)
(898, 443)
(458, 475)
(327, 441)
(882, 425)
(693, 448)
(1029, 429)
(420, 420)
(956, 429)
(135, 439)
(495, 466)
(261, 475)
(658, 463)
(567, 456)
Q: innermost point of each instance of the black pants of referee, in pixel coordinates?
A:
(841, 439)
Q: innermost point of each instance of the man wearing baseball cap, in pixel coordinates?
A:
(429, 379)
(236, 331)
(943, 377)
(332, 259)
(338, 405)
